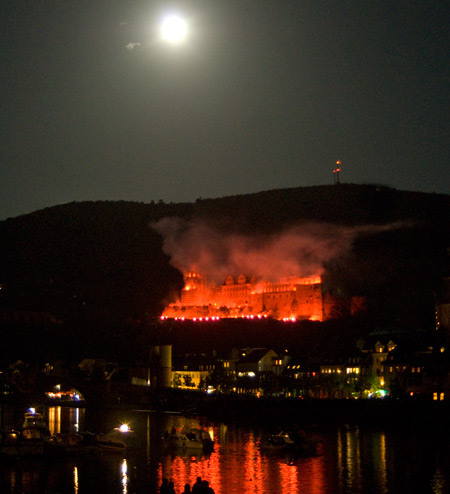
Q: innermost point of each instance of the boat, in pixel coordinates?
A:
(295, 443)
(179, 440)
(35, 420)
(31, 442)
(277, 442)
(193, 439)
(15, 443)
(117, 440)
(70, 442)
(203, 436)
(21, 441)
(9, 444)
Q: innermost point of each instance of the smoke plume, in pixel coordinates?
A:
(301, 250)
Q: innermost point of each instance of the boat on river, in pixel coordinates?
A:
(35, 420)
(193, 439)
(71, 443)
(15, 443)
(295, 443)
(179, 440)
(117, 440)
(25, 440)
(203, 436)
(276, 442)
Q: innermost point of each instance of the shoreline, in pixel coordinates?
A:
(374, 413)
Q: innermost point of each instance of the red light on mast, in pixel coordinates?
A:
(336, 172)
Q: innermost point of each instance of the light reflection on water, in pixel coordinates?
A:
(75, 480)
(350, 460)
(124, 476)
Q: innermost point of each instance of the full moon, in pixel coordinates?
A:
(173, 29)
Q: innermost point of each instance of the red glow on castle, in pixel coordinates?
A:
(290, 299)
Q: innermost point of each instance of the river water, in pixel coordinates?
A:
(349, 460)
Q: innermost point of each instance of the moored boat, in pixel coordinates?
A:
(203, 436)
(35, 420)
(277, 442)
(28, 439)
(70, 442)
(296, 443)
(117, 440)
(194, 439)
(15, 443)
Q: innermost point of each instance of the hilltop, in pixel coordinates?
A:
(102, 265)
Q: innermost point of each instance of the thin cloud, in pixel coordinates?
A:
(132, 46)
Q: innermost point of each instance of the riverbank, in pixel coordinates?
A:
(368, 413)
(232, 408)
(241, 409)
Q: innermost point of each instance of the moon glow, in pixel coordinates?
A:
(173, 29)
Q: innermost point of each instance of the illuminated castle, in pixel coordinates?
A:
(292, 298)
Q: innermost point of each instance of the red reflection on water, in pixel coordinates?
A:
(317, 482)
(185, 468)
(253, 479)
(289, 478)
(246, 470)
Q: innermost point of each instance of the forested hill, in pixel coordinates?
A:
(103, 262)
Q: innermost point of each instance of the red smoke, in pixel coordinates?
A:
(301, 250)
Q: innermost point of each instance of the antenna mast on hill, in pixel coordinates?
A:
(336, 173)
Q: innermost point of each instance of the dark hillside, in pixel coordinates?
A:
(345, 204)
(89, 260)
(94, 266)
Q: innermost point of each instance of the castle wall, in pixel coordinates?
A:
(292, 297)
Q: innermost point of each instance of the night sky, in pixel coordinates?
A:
(260, 95)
